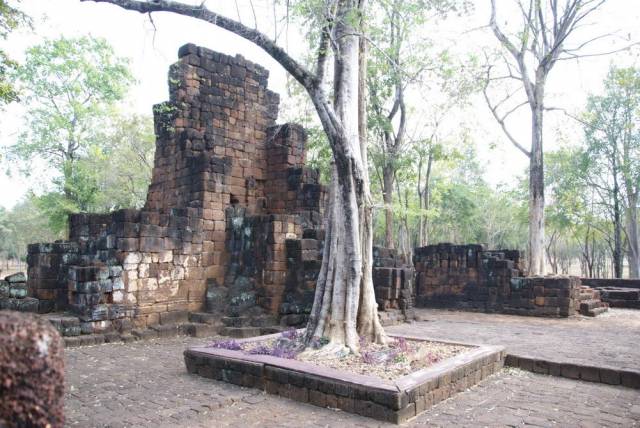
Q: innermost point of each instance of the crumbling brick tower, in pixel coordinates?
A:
(229, 186)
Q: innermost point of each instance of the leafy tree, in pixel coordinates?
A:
(402, 58)
(71, 87)
(114, 173)
(124, 163)
(22, 225)
(612, 159)
(544, 36)
(11, 18)
(580, 215)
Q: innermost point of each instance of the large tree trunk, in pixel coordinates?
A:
(633, 238)
(588, 256)
(345, 305)
(617, 240)
(617, 220)
(536, 191)
(369, 325)
(387, 197)
(424, 195)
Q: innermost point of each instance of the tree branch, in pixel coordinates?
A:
(300, 73)
(501, 120)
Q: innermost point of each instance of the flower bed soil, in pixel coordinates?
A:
(390, 361)
(395, 398)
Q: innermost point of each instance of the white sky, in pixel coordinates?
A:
(152, 52)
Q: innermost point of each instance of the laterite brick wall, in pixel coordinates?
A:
(228, 188)
(471, 278)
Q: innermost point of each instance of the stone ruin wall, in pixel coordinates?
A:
(229, 187)
(393, 284)
(471, 278)
(232, 225)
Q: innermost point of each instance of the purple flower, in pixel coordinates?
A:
(363, 341)
(260, 350)
(283, 353)
(368, 357)
(401, 344)
(291, 334)
(432, 358)
(231, 345)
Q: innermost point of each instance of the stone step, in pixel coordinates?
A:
(272, 329)
(236, 321)
(241, 332)
(194, 329)
(588, 305)
(205, 318)
(144, 333)
(263, 321)
(586, 296)
(621, 303)
(595, 312)
(622, 294)
(166, 330)
(84, 340)
(68, 325)
(20, 304)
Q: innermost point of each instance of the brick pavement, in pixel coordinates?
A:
(610, 340)
(144, 384)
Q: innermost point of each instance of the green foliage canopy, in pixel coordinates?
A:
(11, 18)
(71, 87)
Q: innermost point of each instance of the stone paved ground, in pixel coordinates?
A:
(610, 340)
(145, 384)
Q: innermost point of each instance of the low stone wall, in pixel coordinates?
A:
(611, 282)
(618, 293)
(464, 276)
(608, 375)
(14, 295)
(542, 296)
(47, 273)
(469, 277)
(391, 401)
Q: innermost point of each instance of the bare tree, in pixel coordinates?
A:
(543, 39)
(344, 305)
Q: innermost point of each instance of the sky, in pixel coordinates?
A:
(152, 47)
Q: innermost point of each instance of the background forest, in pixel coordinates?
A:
(82, 150)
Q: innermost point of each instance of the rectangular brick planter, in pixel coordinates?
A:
(393, 401)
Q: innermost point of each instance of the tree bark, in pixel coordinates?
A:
(369, 325)
(536, 189)
(617, 230)
(344, 292)
(424, 196)
(387, 197)
(632, 237)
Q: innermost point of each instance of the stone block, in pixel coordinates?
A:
(174, 317)
(19, 277)
(610, 376)
(32, 366)
(152, 244)
(630, 379)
